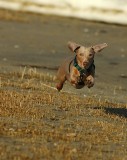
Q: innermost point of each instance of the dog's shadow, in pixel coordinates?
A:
(121, 112)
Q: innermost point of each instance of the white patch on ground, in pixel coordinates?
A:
(111, 11)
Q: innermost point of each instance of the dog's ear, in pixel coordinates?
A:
(99, 47)
(73, 46)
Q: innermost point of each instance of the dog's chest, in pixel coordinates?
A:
(81, 80)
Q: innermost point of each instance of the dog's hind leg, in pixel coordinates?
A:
(60, 84)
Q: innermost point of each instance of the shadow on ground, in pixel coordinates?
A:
(122, 112)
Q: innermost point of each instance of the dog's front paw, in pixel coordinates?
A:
(90, 81)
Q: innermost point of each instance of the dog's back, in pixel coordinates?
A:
(65, 68)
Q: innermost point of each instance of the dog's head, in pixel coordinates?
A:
(85, 55)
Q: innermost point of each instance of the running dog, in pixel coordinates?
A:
(79, 70)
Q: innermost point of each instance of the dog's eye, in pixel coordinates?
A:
(81, 54)
(90, 55)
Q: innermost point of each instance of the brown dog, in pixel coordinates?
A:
(80, 69)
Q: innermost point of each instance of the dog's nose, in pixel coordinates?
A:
(85, 63)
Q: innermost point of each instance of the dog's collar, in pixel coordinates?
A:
(83, 71)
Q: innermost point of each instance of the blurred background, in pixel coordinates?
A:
(111, 11)
(35, 33)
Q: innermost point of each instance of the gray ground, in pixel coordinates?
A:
(40, 41)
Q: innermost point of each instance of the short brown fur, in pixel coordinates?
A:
(84, 57)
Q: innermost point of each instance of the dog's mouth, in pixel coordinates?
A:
(85, 64)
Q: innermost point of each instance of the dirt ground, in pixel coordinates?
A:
(37, 122)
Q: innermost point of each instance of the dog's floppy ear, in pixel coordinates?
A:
(73, 46)
(99, 47)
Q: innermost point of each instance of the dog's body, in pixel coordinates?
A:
(79, 70)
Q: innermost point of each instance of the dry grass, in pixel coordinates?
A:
(37, 122)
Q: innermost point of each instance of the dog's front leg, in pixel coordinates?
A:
(90, 81)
